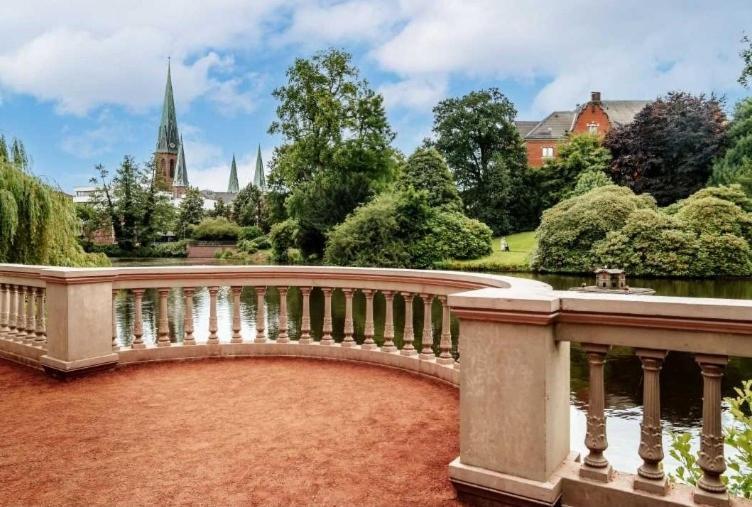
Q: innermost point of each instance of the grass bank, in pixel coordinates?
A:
(517, 259)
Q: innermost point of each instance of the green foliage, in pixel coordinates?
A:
(746, 53)
(669, 148)
(735, 166)
(587, 181)
(738, 436)
(165, 249)
(569, 230)
(283, 237)
(477, 136)
(250, 208)
(216, 229)
(250, 232)
(38, 224)
(221, 210)
(400, 230)
(711, 215)
(190, 212)
(427, 170)
(336, 150)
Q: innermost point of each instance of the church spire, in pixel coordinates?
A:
(233, 186)
(258, 178)
(167, 139)
(181, 173)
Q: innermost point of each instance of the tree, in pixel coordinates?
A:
(191, 211)
(746, 53)
(735, 166)
(4, 157)
(250, 208)
(477, 136)
(427, 170)
(336, 150)
(221, 210)
(669, 148)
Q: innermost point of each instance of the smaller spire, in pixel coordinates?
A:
(181, 173)
(233, 186)
(258, 178)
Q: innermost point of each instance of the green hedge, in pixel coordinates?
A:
(216, 229)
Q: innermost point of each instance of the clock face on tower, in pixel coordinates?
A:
(172, 145)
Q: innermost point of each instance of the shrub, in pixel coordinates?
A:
(247, 246)
(262, 243)
(456, 236)
(588, 180)
(216, 229)
(250, 232)
(569, 230)
(282, 237)
(427, 170)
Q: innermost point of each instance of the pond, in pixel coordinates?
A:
(681, 393)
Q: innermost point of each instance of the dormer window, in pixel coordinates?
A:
(547, 152)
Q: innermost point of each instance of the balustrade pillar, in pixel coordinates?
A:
(11, 306)
(41, 330)
(348, 341)
(389, 322)
(213, 337)
(188, 338)
(283, 336)
(305, 321)
(164, 323)
(596, 465)
(4, 299)
(369, 343)
(237, 337)
(710, 487)
(138, 320)
(114, 319)
(326, 338)
(407, 348)
(20, 314)
(426, 352)
(650, 475)
(260, 315)
(445, 346)
(31, 315)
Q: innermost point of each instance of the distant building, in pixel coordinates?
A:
(596, 117)
(233, 186)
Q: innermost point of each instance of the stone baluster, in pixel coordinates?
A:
(650, 475)
(348, 341)
(114, 319)
(31, 315)
(11, 306)
(389, 322)
(326, 338)
(445, 346)
(138, 320)
(260, 315)
(368, 332)
(236, 336)
(305, 321)
(41, 331)
(282, 336)
(426, 352)
(163, 329)
(596, 466)
(20, 314)
(213, 337)
(188, 338)
(4, 299)
(710, 487)
(408, 349)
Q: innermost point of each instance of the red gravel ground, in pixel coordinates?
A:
(261, 431)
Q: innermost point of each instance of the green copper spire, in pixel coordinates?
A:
(181, 173)
(167, 139)
(258, 178)
(233, 185)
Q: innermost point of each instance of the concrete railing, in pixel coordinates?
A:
(514, 380)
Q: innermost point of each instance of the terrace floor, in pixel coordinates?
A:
(262, 431)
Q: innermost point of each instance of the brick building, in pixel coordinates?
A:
(595, 117)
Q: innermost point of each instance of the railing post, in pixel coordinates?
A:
(389, 322)
(368, 330)
(283, 335)
(4, 299)
(79, 334)
(514, 399)
(650, 476)
(163, 329)
(305, 321)
(237, 337)
(426, 352)
(213, 336)
(188, 338)
(348, 340)
(408, 349)
(326, 333)
(595, 465)
(260, 315)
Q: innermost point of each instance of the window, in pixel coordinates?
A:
(548, 152)
(592, 128)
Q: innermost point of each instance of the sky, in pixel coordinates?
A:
(82, 81)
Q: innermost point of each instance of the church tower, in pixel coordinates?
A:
(168, 141)
(232, 186)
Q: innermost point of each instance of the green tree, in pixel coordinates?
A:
(250, 208)
(426, 170)
(191, 211)
(669, 148)
(4, 157)
(746, 53)
(221, 210)
(735, 166)
(477, 136)
(336, 150)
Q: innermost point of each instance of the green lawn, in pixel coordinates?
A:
(520, 245)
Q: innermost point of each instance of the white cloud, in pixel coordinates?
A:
(415, 93)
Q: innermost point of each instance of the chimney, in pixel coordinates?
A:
(595, 97)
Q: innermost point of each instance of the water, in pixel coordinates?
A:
(681, 393)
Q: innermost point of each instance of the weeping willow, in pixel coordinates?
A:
(38, 224)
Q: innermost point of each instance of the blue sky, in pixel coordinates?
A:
(81, 82)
